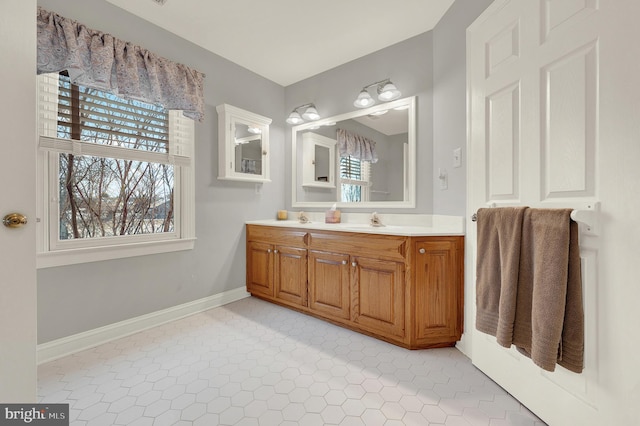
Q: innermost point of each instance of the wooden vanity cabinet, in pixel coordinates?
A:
(277, 265)
(260, 268)
(329, 284)
(437, 290)
(290, 274)
(377, 294)
(405, 290)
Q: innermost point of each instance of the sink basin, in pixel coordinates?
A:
(365, 226)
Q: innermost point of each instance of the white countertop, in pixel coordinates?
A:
(406, 225)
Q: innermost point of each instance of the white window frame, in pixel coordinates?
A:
(364, 184)
(51, 250)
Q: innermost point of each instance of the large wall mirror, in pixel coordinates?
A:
(361, 159)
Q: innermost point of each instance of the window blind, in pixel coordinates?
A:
(107, 126)
(354, 171)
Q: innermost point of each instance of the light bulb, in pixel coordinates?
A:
(294, 118)
(388, 92)
(311, 114)
(363, 100)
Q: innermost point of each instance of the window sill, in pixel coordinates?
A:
(95, 254)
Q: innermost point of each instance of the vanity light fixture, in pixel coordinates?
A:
(254, 130)
(310, 113)
(387, 91)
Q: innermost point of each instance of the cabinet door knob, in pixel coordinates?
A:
(344, 262)
(268, 250)
(354, 264)
(422, 251)
(275, 251)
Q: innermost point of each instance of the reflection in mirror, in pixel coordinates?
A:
(374, 159)
(248, 149)
(321, 164)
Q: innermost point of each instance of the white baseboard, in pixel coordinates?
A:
(78, 342)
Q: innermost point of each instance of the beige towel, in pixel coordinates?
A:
(498, 255)
(549, 321)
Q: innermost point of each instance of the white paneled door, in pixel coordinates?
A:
(17, 195)
(542, 75)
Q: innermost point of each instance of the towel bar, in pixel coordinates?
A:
(587, 216)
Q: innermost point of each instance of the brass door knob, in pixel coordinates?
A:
(14, 220)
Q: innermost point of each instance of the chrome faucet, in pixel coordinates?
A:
(303, 218)
(375, 220)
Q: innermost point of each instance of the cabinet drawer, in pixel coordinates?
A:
(275, 235)
(380, 246)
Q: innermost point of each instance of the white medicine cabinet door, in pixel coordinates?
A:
(318, 161)
(243, 145)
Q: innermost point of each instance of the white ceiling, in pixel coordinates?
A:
(289, 40)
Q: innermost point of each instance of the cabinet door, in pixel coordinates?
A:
(290, 276)
(438, 292)
(378, 295)
(329, 284)
(260, 268)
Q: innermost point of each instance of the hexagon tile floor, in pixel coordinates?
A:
(254, 363)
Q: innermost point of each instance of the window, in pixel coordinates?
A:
(355, 179)
(116, 175)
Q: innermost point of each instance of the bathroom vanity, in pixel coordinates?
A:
(400, 283)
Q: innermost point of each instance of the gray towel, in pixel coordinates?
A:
(529, 286)
(549, 323)
(498, 255)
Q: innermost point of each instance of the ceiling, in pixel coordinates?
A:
(392, 122)
(290, 40)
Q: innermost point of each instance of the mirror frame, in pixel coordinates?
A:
(228, 116)
(410, 161)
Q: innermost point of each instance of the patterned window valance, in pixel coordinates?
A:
(101, 61)
(356, 146)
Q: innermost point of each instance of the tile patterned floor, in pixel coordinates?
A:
(254, 363)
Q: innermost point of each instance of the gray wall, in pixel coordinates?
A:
(449, 99)
(77, 298)
(409, 64)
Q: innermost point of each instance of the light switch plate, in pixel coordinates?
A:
(443, 178)
(457, 157)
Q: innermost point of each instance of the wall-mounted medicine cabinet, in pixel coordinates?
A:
(318, 160)
(243, 145)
